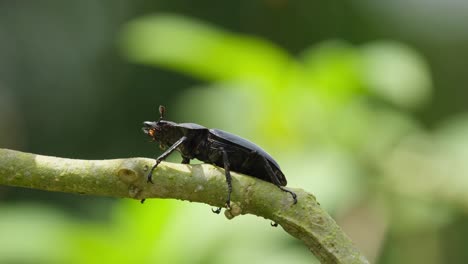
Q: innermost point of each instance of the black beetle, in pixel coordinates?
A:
(216, 147)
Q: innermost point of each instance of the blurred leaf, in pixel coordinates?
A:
(202, 50)
(396, 72)
(416, 215)
(332, 68)
(451, 142)
(134, 228)
(453, 136)
(371, 131)
(329, 173)
(32, 234)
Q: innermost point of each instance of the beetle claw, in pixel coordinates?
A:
(150, 178)
(293, 194)
(294, 197)
(217, 210)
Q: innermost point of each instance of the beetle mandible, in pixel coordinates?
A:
(216, 147)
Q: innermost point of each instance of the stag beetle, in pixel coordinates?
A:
(216, 147)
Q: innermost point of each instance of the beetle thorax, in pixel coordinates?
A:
(167, 133)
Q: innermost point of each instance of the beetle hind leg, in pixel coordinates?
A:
(293, 194)
(276, 181)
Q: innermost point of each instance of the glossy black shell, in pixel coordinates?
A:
(239, 150)
(243, 143)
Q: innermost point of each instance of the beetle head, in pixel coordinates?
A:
(161, 130)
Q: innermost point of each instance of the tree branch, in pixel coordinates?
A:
(197, 183)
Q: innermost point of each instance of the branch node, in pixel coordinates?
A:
(127, 172)
(235, 211)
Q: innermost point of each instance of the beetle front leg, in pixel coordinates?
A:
(228, 180)
(164, 156)
(276, 181)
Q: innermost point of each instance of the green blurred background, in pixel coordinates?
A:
(363, 103)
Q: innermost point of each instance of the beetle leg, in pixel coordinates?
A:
(228, 180)
(275, 180)
(185, 160)
(164, 156)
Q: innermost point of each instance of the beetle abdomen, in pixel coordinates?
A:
(242, 142)
(244, 156)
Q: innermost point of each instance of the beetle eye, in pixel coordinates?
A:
(151, 132)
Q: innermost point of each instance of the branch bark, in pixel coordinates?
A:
(126, 178)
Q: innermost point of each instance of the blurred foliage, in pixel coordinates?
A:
(341, 119)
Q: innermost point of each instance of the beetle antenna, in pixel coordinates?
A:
(162, 111)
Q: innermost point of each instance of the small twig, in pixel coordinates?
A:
(197, 183)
